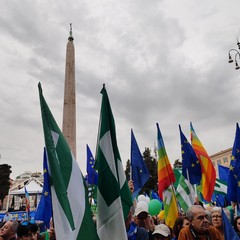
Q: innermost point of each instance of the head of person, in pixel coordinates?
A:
(198, 218)
(9, 229)
(236, 224)
(180, 223)
(34, 230)
(23, 232)
(217, 217)
(141, 214)
(162, 232)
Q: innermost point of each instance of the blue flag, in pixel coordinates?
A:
(223, 173)
(44, 210)
(191, 168)
(140, 173)
(233, 190)
(92, 175)
(229, 232)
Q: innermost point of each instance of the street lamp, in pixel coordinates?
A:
(237, 54)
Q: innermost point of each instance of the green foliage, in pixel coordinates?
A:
(151, 164)
(5, 171)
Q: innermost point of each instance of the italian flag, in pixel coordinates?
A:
(113, 195)
(71, 211)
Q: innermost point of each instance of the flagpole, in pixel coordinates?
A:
(195, 186)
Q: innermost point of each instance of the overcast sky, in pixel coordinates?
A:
(162, 61)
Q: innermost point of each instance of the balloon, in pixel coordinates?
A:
(154, 207)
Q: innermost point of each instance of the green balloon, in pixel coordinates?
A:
(154, 207)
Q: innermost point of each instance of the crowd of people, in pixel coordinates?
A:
(199, 223)
(25, 230)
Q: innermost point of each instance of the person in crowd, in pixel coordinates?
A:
(23, 232)
(236, 225)
(181, 222)
(50, 233)
(133, 231)
(143, 219)
(9, 229)
(217, 219)
(162, 232)
(7, 217)
(199, 227)
(34, 230)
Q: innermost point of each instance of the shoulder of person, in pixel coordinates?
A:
(142, 233)
(215, 234)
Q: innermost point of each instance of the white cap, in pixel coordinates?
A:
(162, 229)
(141, 207)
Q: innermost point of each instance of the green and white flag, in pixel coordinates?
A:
(185, 193)
(113, 195)
(220, 187)
(71, 211)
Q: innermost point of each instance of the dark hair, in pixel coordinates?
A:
(235, 224)
(22, 230)
(33, 227)
(178, 225)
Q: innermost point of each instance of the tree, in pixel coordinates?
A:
(5, 171)
(151, 164)
(127, 171)
(177, 164)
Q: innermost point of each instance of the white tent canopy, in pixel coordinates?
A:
(32, 188)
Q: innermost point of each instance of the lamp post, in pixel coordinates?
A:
(237, 54)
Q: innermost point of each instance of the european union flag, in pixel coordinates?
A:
(140, 173)
(233, 190)
(223, 172)
(44, 210)
(191, 168)
(229, 232)
(92, 175)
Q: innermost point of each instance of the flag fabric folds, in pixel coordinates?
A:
(233, 190)
(27, 201)
(166, 175)
(191, 168)
(185, 193)
(139, 171)
(208, 170)
(71, 210)
(92, 175)
(170, 206)
(223, 173)
(229, 232)
(113, 196)
(44, 210)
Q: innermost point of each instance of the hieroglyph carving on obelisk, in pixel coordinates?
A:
(69, 105)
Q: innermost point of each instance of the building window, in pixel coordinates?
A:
(225, 160)
(219, 161)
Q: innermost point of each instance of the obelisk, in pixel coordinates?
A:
(69, 105)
